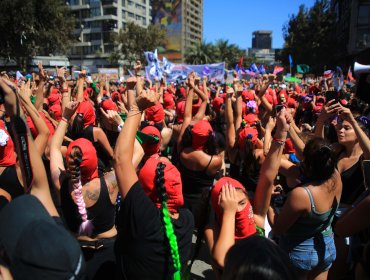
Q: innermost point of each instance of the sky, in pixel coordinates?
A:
(235, 20)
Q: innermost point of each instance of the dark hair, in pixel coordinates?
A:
(319, 161)
(187, 137)
(77, 126)
(166, 220)
(257, 257)
(249, 163)
(364, 123)
(210, 146)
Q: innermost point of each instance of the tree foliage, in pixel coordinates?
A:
(34, 27)
(204, 53)
(310, 37)
(134, 40)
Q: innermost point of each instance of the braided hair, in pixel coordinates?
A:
(166, 219)
(86, 227)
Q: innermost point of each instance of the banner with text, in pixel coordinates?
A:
(214, 72)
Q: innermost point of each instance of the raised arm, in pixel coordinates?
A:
(188, 112)
(41, 140)
(123, 153)
(229, 116)
(56, 158)
(363, 139)
(328, 111)
(40, 89)
(270, 168)
(32, 168)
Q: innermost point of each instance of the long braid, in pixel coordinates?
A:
(86, 227)
(170, 233)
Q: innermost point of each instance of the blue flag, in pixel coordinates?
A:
(253, 68)
(262, 69)
(290, 60)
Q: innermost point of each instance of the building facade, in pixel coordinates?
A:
(352, 24)
(97, 21)
(262, 39)
(183, 22)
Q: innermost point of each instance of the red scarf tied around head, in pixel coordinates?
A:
(172, 182)
(155, 113)
(148, 147)
(200, 134)
(244, 220)
(108, 104)
(87, 110)
(7, 156)
(89, 163)
(247, 133)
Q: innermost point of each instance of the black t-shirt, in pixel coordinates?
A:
(142, 247)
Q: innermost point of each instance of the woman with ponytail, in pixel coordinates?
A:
(154, 240)
(87, 199)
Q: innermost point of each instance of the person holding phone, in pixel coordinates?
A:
(352, 148)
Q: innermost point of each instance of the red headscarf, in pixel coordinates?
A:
(116, 95)
(172, 182)
(33, 128)
(180, 110)
(289, 147)
(155, 113)
(56, 110)
(168, 101)
(247, 95)
(7, 156)
(200, 134)
(108, 104)
(244, 221)
(217, 103)
(247, 133)
(250, 118)
(87, 110)
(151, 148)
(54, 98)
(89, 163)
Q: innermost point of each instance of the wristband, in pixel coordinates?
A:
(119, 127)
(279, 141)
(64, 90)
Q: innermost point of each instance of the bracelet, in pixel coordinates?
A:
(279, 141)
(64, 120)
(64, 90)
(119, 127)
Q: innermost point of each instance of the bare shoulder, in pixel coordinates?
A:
(298, 199)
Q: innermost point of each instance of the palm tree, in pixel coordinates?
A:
(201, 53)
(230, 53)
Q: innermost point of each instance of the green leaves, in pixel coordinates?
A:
(310, 36)
(34, 27)
(204, 53)
(134, 40)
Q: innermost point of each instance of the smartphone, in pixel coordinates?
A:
(278, 108)
(366, 172)
(330, 95)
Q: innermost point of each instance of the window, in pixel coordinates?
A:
(363, 15)
(95, 12)
(143, 1)
(130, 3)
(123, 3)
(131, 15)
(137, 17)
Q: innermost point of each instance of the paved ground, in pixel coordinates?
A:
(201, 268)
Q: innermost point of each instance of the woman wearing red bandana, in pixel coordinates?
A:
(87, 199)
(199, 161)
(83, 127)
(152, 243)
(242, 144)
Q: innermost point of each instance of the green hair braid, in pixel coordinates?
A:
(170, 233)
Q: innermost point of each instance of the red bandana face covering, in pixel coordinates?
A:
(200, 134)
(87, 110)
(89, 163)
(148, 147)
(244, 220)
(172, 182)
(7, 156)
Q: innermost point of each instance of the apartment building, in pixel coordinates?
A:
(97, 21)
(183, 22)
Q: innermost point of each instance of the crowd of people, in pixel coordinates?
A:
(104, 179)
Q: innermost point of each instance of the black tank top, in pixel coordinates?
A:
(353, 183)
(102, 213)
(194, 182)
(249, 181)
(10, 183)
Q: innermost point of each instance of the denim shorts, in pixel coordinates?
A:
(317, 252)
